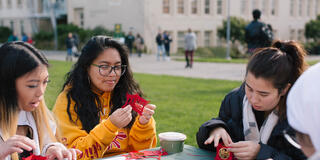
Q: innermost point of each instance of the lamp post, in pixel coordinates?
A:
(52, 5)
(228, 32)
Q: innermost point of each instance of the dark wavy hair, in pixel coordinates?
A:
(87, 103)
(282, 64)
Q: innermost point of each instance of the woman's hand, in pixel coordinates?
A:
(245, 149)
(147, 113)
(121, 117)
(60, 153)
(216, 135)
(14, 144)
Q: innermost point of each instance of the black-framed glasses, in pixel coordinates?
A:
(292, 139)
(105, 70)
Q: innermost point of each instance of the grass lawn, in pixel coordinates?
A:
(183, 104)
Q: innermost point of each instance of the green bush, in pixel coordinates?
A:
(4, 34)
(43, 36)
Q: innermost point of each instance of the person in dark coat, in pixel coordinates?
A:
(252, 118)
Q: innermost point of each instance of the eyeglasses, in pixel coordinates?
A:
(105, 70)
(292, 139)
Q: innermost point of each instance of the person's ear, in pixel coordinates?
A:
(285, 90)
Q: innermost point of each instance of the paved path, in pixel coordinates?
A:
(149, 64)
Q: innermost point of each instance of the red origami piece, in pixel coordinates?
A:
(35, 157)
(223, 153)
(146, 154)
(137, 103)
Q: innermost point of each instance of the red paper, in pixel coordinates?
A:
(146, 154)
(223, 153)
(137, 103)
(35, 157)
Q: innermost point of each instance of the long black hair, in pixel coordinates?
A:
(87, 103)
(282, 64)
(16, 59)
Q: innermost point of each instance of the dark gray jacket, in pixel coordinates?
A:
(230, 118)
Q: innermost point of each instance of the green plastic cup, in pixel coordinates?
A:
(172, 142)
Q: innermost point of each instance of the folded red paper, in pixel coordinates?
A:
(156, 154)
(35, 157)
(223, 153)
(137, 103)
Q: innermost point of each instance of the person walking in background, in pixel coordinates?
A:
(190, 46)
(139, 44)
(13, 37)
(257, 34)
(70, 44)
(160, 46)
(129, 42)
(167, 41)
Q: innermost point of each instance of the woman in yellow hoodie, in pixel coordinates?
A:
(89, 110)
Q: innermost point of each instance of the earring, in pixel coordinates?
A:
(89, 80)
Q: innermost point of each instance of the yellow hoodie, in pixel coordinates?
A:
(105, 139)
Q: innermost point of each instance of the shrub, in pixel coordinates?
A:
(4, 34)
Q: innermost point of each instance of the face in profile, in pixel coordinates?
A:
(261, 93)
(31, 87)
(105, 71)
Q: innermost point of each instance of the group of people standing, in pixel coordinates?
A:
(137, 42)
(163, 41)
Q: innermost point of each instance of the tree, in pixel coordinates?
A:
(237, 30)
(312, 29)
(4, 34)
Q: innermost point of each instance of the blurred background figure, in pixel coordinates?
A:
(160, 46)
(13, 37)
(257, 34)
(139, 44)
(71, 45)
(167, 40)
(129, 42)
(303, 112)
(190, 46)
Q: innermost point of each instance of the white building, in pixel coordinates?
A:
(146, 17)
(29, 16)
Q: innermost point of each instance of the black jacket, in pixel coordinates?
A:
(230, 118)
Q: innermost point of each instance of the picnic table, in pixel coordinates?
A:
(189, 153)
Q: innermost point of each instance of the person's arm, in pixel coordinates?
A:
(143, 136)
(206, 128)
(92, 144)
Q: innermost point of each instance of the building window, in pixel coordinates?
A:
(180, 6)
(254, 4)
(300, 7)
(207, 7)
(166, 6)
(19, 3)
(243, 6)
(1, 23)
(317, 5)
(79, 17)
(219, 7)
(309, 10)
(292, 34)
(292, 7)
(0, 4)
(207, 38)
(300, 35)
(12, 25)
(9, 4)
(180, 39)
(194, 7)
(273, 7)
(265, 7)
(22, 27)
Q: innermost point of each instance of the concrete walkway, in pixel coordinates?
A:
(149, 64)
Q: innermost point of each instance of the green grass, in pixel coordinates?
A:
(183, 104)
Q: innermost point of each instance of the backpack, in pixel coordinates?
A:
(266, 34)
